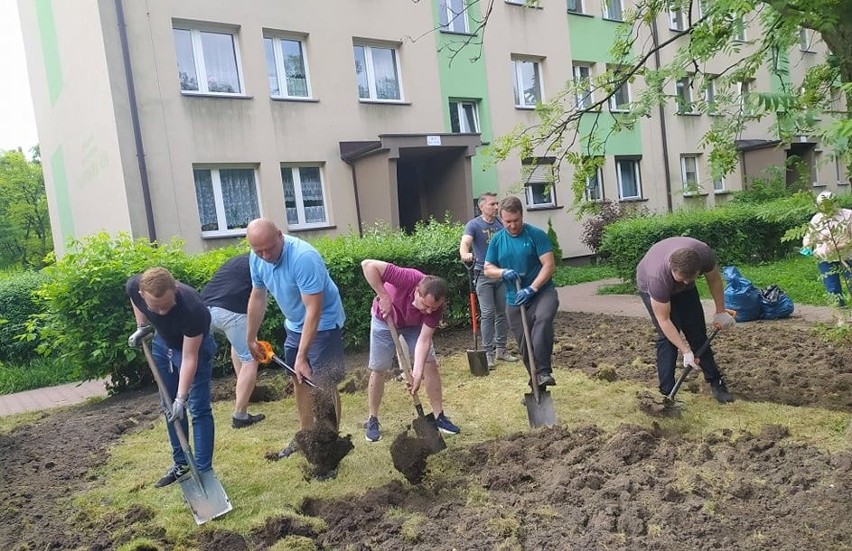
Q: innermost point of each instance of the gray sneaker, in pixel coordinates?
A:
(489, 359)
(503, 354)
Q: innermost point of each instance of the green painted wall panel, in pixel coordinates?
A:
(49, 48)
(63, 197)
(465, 78)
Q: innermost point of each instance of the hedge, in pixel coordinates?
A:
(17, 304)
(738, 233)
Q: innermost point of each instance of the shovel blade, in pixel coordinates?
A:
(205, 496)
(541, 412)
(478, 362)
(427, 430)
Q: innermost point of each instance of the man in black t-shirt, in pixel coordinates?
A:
(183, 349)
(226, 296)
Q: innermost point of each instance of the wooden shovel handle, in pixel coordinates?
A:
(404, 361)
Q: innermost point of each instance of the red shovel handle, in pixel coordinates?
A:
(473, 318)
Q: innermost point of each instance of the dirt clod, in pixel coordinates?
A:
(409, 457)
(322, 445)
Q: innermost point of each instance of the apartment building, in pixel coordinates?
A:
(190, 118)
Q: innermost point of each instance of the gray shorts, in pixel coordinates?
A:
(233, 325)
(383, 350)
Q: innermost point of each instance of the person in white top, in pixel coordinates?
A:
(829, 237)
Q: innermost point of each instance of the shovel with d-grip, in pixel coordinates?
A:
(424, 425)
(476, 359)
(539, 403)
(202, 490)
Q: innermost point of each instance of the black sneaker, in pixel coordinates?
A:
(175, 473)
(720, 391)
(545, 379)
(289, 450)
(238, 423)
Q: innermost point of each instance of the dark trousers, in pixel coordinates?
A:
(540, 315)
(687, 315)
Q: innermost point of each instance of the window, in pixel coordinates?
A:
(838, 170)
(304, 197)
(286, 67)
(575, 6)
(463, 117)
(719, 184)
(516, 2)
(227, 199)
(743, 89)
(710, 95)
(377, 71)
(539, 188)
(629, 182)
(739, 29)
(613, 10)
(689, 173)
(582, 76)
(806, 37)
(594, 186)
(620, 99)
(685, 104)
(454, 16)
(677, 20)
(528, 88)
(208, 61)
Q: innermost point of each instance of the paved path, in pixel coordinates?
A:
(574, 298)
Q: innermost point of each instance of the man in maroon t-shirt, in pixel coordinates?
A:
(666, 280)
(415, 302)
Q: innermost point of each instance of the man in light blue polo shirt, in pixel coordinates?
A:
(295, 274)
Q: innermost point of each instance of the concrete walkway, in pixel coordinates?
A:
(574, 298)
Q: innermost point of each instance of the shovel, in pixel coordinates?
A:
(202, 491)
(687, 369)
(424, 425)
(539, 403)
(476, 358)
(269, 355)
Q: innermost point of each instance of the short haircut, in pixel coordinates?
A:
(511, 204)
(685, 262)
(486, 195)
(435, 286)
(157, 281)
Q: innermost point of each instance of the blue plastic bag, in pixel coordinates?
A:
(775, 303)
(742, 296)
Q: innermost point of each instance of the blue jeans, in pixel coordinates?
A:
(168, 363)
(540, 315)
(830, 273)
(492, 304)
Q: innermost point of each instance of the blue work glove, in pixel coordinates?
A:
(510, 276)
(806, 251)
(142, 331)
(178, 409)
(524, 296)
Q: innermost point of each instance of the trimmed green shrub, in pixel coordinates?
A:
(17, 304)
(738, 233)
(554, 242)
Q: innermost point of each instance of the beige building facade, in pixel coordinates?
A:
(189, 119)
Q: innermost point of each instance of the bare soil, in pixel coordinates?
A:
(560, 488)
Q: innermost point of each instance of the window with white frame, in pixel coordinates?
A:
(286, 67)
(208, 60)
(594, 186)
(464, 117)
(685, 102)
(528, 86)
(620, 98)
(377, 72)
(227, 199)
(575, 6)
(539, 185)
(454, 16)
(814, 164)
(838, 170)
(677, 20)
(739, 27)
(304, 197)
(582, 80)
(710, 95)
(689, 173)
(613, 10)
(743, 88)
(806, 37)
(628, 176)
(718, 184)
